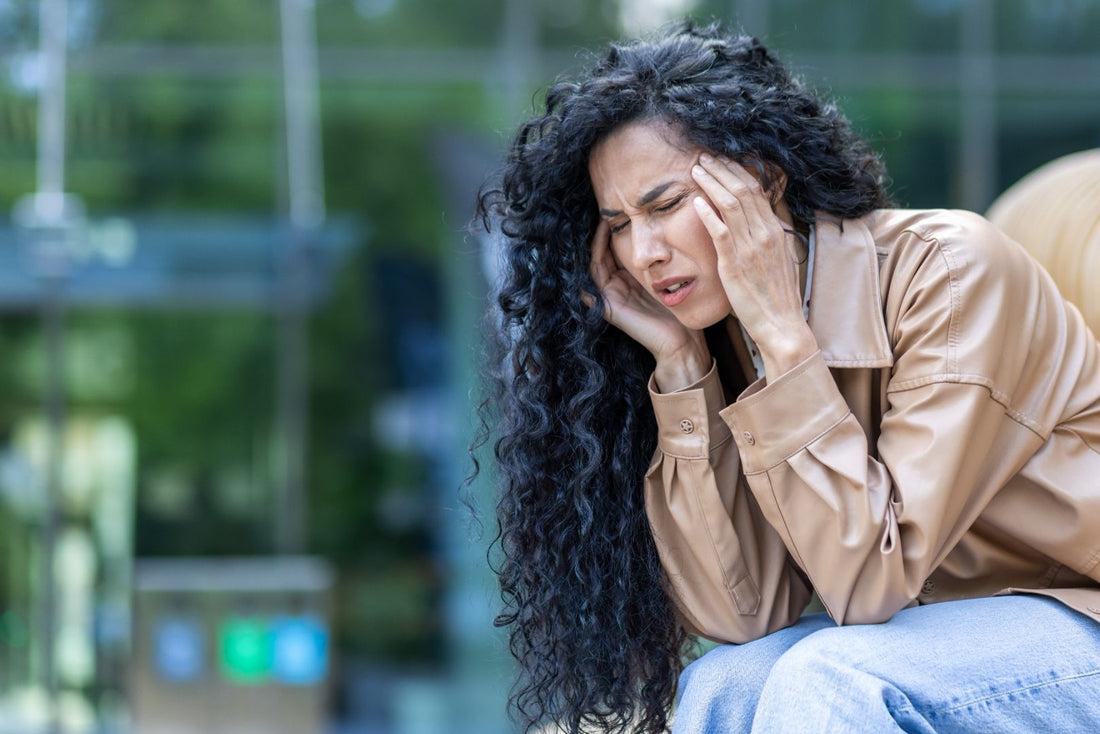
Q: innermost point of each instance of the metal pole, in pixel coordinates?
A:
(53, 21)
(303, 131)
(53, 328)
(518, 53)
(49, 211)
(977, 102)
(752, 17)
(305, 211)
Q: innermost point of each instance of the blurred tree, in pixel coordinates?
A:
(177, 108)
(185, 136)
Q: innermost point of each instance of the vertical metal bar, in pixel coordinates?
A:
(49, 206)
(53, 21)
(53, 328)
(301, 98)
(518, 49)
(977, 104)
(305, 211)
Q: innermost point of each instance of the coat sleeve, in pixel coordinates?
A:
(730, 574)
(869, 524)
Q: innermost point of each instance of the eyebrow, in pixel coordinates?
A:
(647, 198)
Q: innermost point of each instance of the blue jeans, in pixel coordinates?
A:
(1002, 665)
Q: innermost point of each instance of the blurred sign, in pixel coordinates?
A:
(199, 260)
(299, 651)
(245, 650)
(230, 645)
(178, 646)
(49, 226)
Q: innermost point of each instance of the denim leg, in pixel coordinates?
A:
(718, 692)
(1011, 665)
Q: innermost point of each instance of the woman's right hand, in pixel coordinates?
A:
(681, 353)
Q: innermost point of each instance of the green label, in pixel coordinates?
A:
(245, 650)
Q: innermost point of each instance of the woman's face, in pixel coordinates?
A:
(641, 175)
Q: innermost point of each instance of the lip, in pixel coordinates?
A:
(673, 299)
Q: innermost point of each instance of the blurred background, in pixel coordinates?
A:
(239, 322)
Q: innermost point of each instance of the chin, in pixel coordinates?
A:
(698, 322)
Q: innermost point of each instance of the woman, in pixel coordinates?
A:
(733, 377)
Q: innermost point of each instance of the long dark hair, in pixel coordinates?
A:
(595, 634)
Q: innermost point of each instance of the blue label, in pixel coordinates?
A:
(299, 650)
(178, 649)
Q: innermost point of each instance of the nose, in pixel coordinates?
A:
(647, 247)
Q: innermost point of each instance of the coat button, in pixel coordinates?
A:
(928, 587)
(749, 438)
(687, 426)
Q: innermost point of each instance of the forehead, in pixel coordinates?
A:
(639, 155)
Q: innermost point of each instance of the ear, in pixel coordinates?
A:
(771, 177)
(775, 182)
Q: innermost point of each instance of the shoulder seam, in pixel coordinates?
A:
(952, 265)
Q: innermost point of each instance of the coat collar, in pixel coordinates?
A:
(846, 305)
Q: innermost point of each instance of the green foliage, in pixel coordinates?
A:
(200, 386)
(196, 22)
(391, 610)
(18, 337)
(427, 24)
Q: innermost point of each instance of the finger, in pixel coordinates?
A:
(728, 194)
(748, 189)
(612, 256)
(716, 227)
(732, 174)
(727, 205)
(589, 300)
(599, 267)
(760, 209)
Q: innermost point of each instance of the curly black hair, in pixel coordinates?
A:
(596, 635)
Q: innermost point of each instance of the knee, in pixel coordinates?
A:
(727, 680)
(831, 681)
(817, 663)
(719, 691)
(745, 668)
(723, 668)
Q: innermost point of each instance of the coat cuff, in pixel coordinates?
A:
(772, 422)
(688, 420)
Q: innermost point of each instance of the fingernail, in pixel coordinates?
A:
(706, 158)
(697, 170)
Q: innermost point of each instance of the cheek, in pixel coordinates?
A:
(686, 219)
(620, 250)
(697, 239)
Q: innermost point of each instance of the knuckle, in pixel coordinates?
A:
(727, 200)
(721, 234)
(743, 188)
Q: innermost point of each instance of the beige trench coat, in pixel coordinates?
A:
(943, 443)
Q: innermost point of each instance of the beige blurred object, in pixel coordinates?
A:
(1054, 212)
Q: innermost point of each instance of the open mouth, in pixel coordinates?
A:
(674, 293)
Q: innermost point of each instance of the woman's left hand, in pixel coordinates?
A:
(755, 262)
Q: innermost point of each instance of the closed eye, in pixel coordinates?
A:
(672, 204)
(617, 228)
